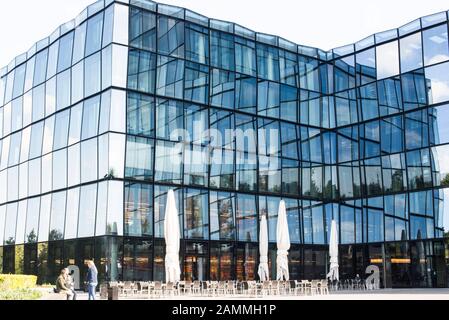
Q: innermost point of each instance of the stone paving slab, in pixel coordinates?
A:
(388, 294)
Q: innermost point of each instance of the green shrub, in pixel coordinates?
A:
(20, 294)
(16, 282)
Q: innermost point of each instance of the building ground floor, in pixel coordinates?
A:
(407, 264)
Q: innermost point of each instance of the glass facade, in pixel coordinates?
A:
(102, 118)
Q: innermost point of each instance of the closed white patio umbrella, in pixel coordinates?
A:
(333, 253)
(263, 250)
(172, 240)
(283, 243)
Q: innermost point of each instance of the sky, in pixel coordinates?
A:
(324, 24)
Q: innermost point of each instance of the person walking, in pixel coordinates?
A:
(61, 286)
(70, 283)
(92, 279)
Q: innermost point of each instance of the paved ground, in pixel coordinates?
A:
(388, 294)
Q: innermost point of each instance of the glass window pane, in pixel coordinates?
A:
(436, 47)
(222, 216)
(170, 77)
(32, 220)
(375, 226)
(139, 158)
(138, 210)
(76, 115)
(23, 180)
(168, 163)
(44, 218)
(34, 177)
(142, 71)
(437, 79)
(196, 83)
(439, 124)
(411, 52)
(114, 224)
(37, 134)
(38, 103)
(196, 224)
(19, 80)
(65, 52)
(61, 130)
(246, 94)
(169, 119)
(47, 171)
(78, 82)
(94, 34)
(74, 159)
(52, 60)
(10, 224)
(57, 220)
(222, 50)
(245, 56)
(48, 135)
(50, 96)
(2, 223)
(268, 62)
(387, 60)
(40, 68)
(170, 36)
(60, 169)
(222, 89)
(116, 155)
(108, 25)
(160, 202)
(197, 43)
(89, 158)
(140, 115)
(29, 77)
(79, 43)
(63, 97)
(71, 221)
(87, 209)
(246, 218)
(142, 31)
(92, 75)
(91, 114)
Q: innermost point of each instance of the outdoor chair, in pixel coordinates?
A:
(265, 288)
(221, 288)
(360, 284)
(196, 288)
(324, 289)
(243, 288)
(314, 287)
(142, 287)
(292, 287)
(170, 289)
(211, 288)
(307, 287)
(187, 287)
(128, 287)
(230, 288)
(274, 287)
(286, 287)
(120, 286)
(157, 289)
(252, 288)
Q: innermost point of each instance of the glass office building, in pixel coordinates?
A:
(99, 120)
